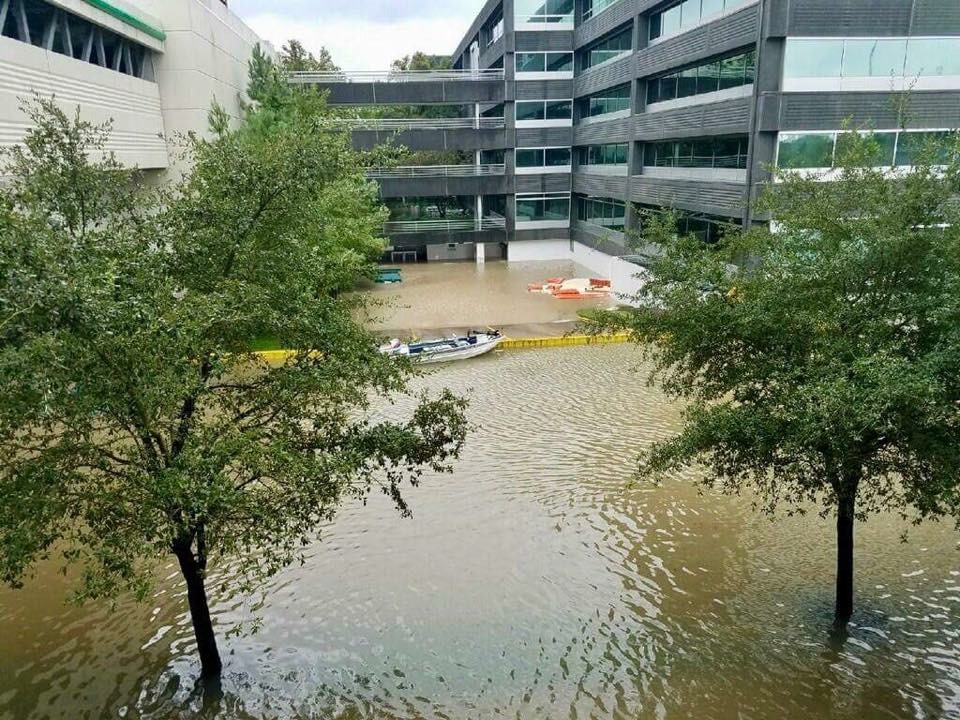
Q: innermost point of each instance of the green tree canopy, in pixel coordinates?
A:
(821, 357)
(421, 61)
(294, 57)
(135, 424)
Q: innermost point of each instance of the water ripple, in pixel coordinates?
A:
(535, 582)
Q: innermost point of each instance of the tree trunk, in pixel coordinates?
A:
(845, 517)
(211, 665)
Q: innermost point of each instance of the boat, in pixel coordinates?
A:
(463, 347)
(573, 289)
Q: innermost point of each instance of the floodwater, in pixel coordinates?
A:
(437, 299)
(535, 582)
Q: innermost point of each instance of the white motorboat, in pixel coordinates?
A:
(462, 347)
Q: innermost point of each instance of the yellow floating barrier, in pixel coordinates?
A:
(276, 357)
(563, 341)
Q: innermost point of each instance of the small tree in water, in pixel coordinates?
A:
(135, 424)
(820, 359)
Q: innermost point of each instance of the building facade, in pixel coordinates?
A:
(579, 114)
(153, 67)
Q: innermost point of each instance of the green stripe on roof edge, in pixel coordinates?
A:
(128, 18)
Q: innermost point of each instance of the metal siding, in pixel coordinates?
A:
(827, 111)
(611, 186)
(412, 240)
(606, 241)
(544, 90)
(558, 234)
(475, 26)
(849, 17)
(708, 197)
(432, 139)
(600, 78)
(610, 19)
(722, 118)
(414, 93)
(936, 17)
(556, 40)
(544, 137)
(493, 53)
(557, 183)
(445, 187)
(619, 130)
(724, 35)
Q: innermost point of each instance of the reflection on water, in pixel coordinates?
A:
(535, 582)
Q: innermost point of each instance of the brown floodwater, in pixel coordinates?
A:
(534, 582)
(434, 299)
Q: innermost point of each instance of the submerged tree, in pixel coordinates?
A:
(820, 359)
(135, 425)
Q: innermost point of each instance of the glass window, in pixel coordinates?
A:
(813, 58)
(529, 157)
(557, 157)
(730, 152)
(708, 78)
(653, 90)
(913, 146)
(608, 49)
(529, 210)
(732, 72)
(702, 153)
(594, 7)
(814, 150)
(685, 153)
(664, 154)
(559, 109)
(656, 26)
(668, 87)
(544, 11)
(750, 73)
(609, 101)
(559, 62)
(670, 24)
(530, 110)
(531, 62)
(727, 153)
(711, 7)
(606, 212)
(556, 209)
(690, 14)
(687, 83)
(933, 56)
(874, 58)
(884, 142)
(614, 154)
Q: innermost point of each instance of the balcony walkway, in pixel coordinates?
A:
(408, 124)
(409, 227)
(435, 171)
(408, 87)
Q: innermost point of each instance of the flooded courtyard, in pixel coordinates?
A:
(454, 297)
(536, 581)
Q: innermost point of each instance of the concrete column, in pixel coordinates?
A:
(481, 253)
